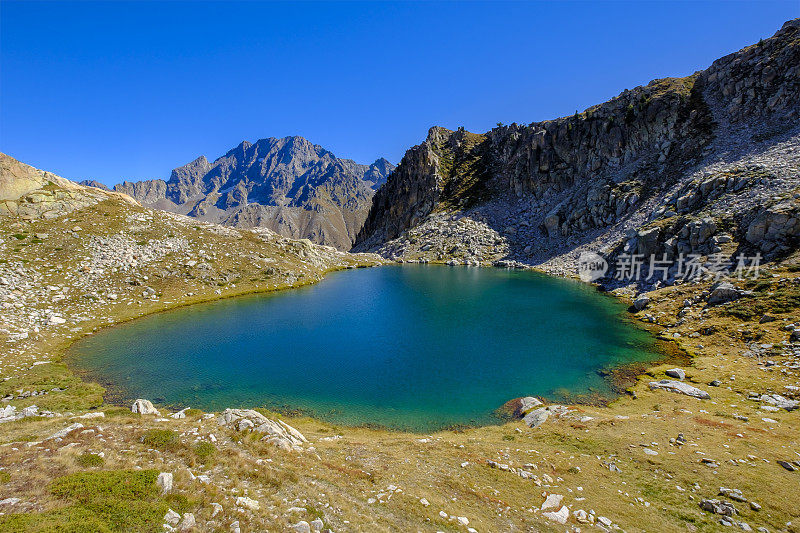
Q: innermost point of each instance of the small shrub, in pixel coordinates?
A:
(204, 450)
(89, 460)
(161, 439)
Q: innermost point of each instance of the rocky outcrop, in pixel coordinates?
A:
(680, 388)
(28, 193)
(679, 166)
(277, 432)
(289, 185)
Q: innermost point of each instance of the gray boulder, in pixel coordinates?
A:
(723, 292)
(676, 373)
(680, 388)
(641, 302)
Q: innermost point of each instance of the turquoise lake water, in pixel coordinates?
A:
(407, 346)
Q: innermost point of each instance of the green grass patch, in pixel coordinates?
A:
(161, 439)
(89, 460)
(114, 500)
(204, 451)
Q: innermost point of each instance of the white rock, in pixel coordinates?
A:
(172, 518)
(424, 502)
(302, 527)
(680, 388)
(164, 482)
(552, 501)
(561, 516)
(249, 503)
(188, 522)
(317, 525)
(144, 407)
(217, 509)
(66, 431)
(98, 414)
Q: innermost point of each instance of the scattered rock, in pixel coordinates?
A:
(144, 407)
(677, 373)
(641, 302)
(172, 518)
(718, 507)
(723, 292)
(164, 482)
(680, 388)
(64, 432)
(187, 523)
(248, 503)
(552, 501)
(561, 516)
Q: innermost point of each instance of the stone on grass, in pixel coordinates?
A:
(144, 407)
(302, 527)
(719, 507)
(248, 503)
(64, 432)
(677, 373)
(680, 388)
(188, 522)
(164, 482)
(536, 418)
(552, 501)
(561, 516)
(172, 518)
(641, 302)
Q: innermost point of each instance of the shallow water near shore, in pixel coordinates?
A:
(416, 347)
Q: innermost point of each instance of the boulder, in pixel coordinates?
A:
(187, 523)
(677, 373)
(641, 302)
(144, 407)
(164, 482)
(680, 388)
(718, 507)
(780, 401)
(302, 527)
(64, 432)
(552, 501)
(561, 516)
(723, 292)
(172, 518)
(536, 417)
(277, 432)
(248, 503)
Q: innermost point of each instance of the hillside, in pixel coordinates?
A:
(640, 172)
(289, 185)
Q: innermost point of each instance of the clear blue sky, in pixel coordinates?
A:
(114, 91)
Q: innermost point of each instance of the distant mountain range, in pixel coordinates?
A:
(289, 185)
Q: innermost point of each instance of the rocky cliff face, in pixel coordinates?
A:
(289, 185)
(664, 156)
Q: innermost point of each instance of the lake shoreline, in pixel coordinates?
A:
(619, 377)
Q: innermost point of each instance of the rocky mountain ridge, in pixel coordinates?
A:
(289, 185)
(636, 173)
